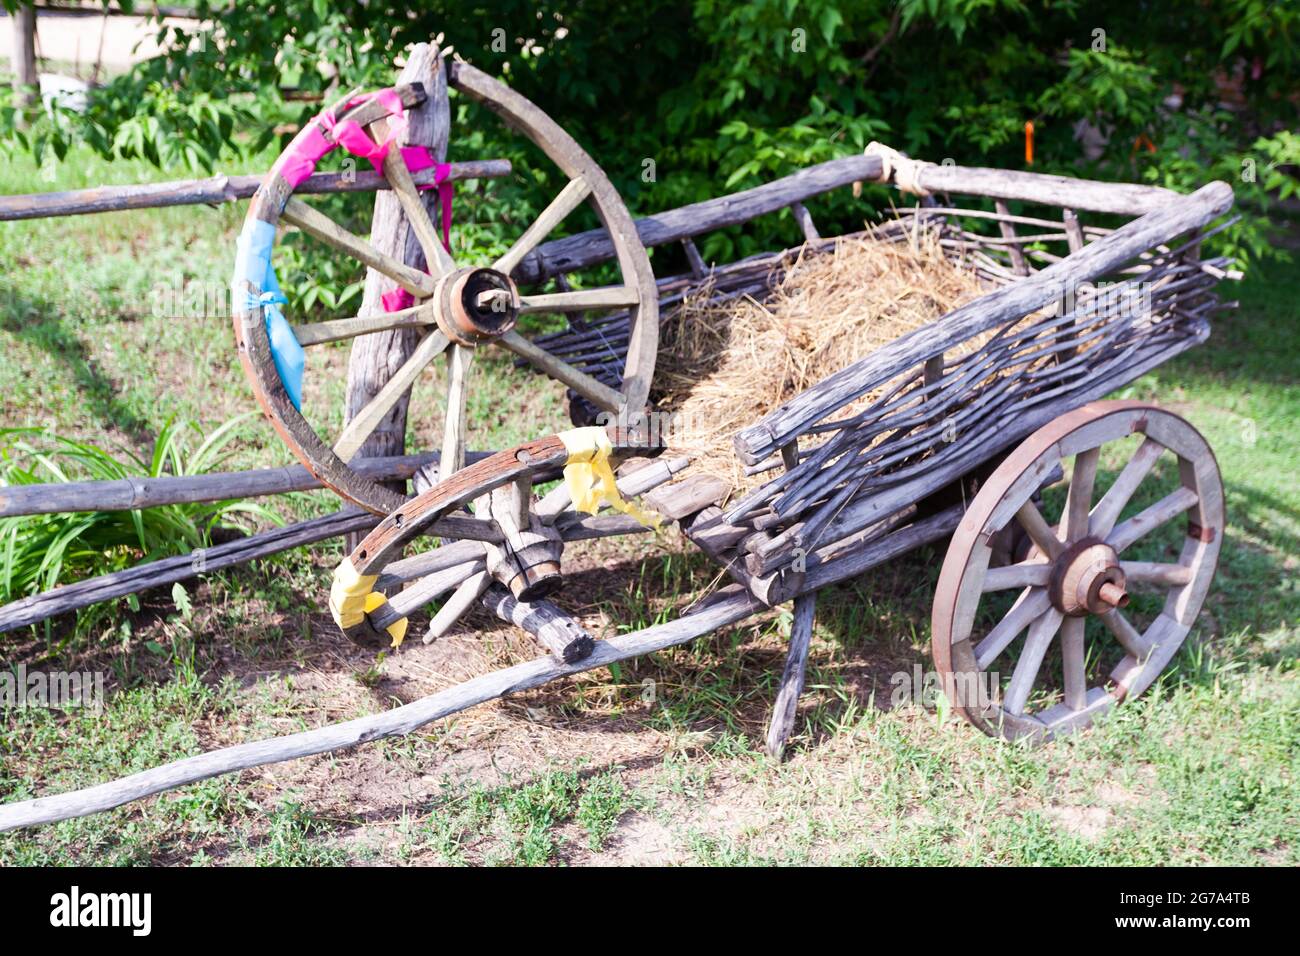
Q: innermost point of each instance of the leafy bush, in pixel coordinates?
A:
(39, 551)
(723, 95)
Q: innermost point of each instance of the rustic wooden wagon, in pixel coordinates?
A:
(981, 427)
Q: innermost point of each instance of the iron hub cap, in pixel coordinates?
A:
(476, 305)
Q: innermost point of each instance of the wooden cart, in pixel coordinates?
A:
(986, 427)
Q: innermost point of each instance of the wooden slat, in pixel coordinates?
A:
(317, 224)
(1028, 607)
(573, 253)
(579, 300)
(318, 333)
(793, 676)
(73, 597)
(1073, 656)
(1035, 525)
(1128, 636)
(364, 422)
(454, 431)
(1028, 574)
(1147, 520)
(1027, 667)
(437, 258)
(1121, 490)
(1125, 199)
(1079, 498)
(218, 189)
(1156, 572)
(600, 395)
(568, 199)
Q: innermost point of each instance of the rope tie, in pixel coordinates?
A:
(903, 172)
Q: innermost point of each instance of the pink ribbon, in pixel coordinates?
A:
(310, 145)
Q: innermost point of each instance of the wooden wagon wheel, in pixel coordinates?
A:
(1083, 579)
(458, 308)
(512, 540)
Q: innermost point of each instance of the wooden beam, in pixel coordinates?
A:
(130, 494)
(215, 190)
(1125, 199)
(588, 248)
(105, 587)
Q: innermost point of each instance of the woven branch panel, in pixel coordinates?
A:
(1075, 312)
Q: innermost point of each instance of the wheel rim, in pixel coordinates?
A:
(527, 536)
(442, 313)
(1070, 591)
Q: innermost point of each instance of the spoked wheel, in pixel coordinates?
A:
(1102, 604)
(512, 540)
(458, 308)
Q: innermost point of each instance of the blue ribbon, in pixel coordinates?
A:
(253, 265)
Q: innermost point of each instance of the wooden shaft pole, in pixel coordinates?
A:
(725, 607)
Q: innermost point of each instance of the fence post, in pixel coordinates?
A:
(376, 357)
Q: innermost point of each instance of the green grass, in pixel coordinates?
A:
(656, 759)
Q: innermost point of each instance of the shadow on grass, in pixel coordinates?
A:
(41, 324)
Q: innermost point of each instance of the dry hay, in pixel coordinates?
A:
(724, 365)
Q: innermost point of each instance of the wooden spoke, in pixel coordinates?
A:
(1151, 518)
(317, 333)
(1073, 661)
(568, 199)
(1070, 577)
(1031, 661)
(429, 588)
(373, 110)
(1155, 572)
(405, 236)
(580, 300)
(602, 396)
(1127, 635)
(317, 224)
(453, 436)
(1031, 605)
(365, 421)
(1024, 575)
(1075, 520)
(437, 258)
(1117, 496)
(466, 594)
(1035, 525)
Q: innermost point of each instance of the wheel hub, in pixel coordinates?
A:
(475, 305)
(1087, 579)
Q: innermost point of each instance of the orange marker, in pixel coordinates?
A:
(1029, 142)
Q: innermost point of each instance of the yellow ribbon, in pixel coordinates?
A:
(352, 597)
(590, 479)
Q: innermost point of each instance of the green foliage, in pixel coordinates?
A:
(724, 95)
(604, 800)
(40, 551)
(296, 837)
